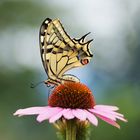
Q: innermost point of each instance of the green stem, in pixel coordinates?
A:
(71, 130)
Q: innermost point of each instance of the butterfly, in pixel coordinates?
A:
(60, 53)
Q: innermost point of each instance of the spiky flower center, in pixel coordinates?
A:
(72, 95)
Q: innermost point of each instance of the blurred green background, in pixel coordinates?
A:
(113, 74)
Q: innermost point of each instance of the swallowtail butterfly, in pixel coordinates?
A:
(60, 53)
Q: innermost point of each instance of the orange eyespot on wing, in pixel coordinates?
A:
(84, 61)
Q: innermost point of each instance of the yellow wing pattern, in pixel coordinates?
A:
(59, 52)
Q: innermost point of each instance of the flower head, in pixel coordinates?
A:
(73, 101)
(72, 95)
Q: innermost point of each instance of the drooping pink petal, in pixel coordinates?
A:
(108, 111)
(107, 115)
(110, 114)
(109, 121)
(91, 117)
(56, 116)
(48, 113)
(114, 113)
(30, 111)
(106, 107)
(121, 118)
(79, 113)
(67, 113)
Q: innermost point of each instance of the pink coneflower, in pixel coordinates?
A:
(73, 101)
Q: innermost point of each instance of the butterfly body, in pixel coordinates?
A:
(60, 53)
(65, 78)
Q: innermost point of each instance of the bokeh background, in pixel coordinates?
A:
(113, 74)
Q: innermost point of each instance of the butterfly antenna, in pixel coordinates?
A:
(35, 85)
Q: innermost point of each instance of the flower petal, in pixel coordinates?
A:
(110, 114)
(114, 113)
(67, 113)
(106, 107)
(48, 113)
(79, 113)
(107, 110)
(109, 121)
(121, 118)
(105, 114)
(30, 111)
(91, 117)
(56, 116)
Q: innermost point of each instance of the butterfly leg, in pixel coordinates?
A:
(50, 90)
(51, 82)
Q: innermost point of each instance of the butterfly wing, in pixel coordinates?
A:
(59, 52)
